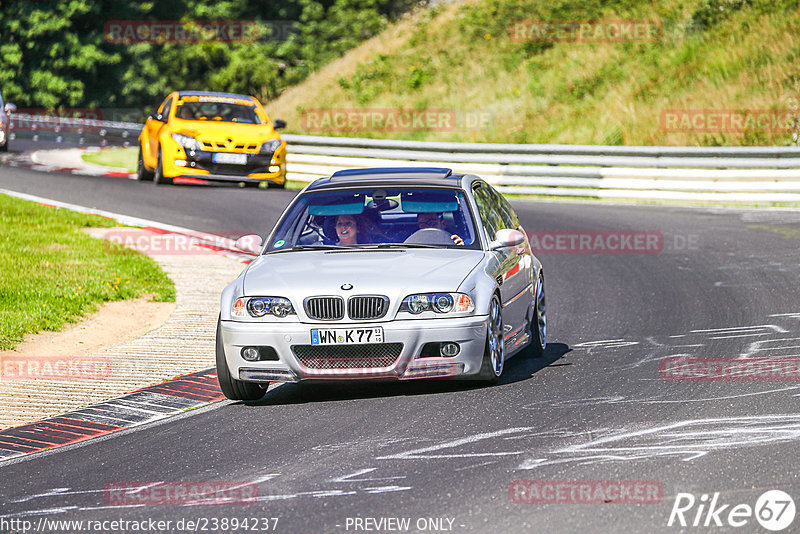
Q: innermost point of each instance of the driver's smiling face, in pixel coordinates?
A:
(430, 220)
(347, 230)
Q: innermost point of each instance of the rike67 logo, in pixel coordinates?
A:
(774, 510)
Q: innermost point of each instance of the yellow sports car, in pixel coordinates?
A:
(198, 136)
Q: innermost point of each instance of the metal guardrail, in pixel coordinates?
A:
(87, 132)
(694, 173)
(586, 150)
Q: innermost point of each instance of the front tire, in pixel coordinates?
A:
(232, 388)
(538, 323)
(494, 353)
(142, 174)
(158, 176)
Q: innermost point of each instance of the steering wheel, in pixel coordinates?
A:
(430, 236)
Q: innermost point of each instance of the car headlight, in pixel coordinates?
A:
(437, 302)
(187, 142)
(262, 306)
(270, 146)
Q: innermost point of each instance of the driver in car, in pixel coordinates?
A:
(436, 220)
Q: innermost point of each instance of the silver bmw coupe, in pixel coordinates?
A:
(393, 273)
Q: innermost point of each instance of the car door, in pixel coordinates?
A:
(520, 277)
(507, 267)
(153, 127)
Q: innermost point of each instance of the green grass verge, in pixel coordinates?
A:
(52, 273)
(121, 158)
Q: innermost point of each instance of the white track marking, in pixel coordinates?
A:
(51, 493)
(351, 477)
(46, 511)
(264, 478)
(604, 343)
(738, 335)
(690, 439)
(734, 328)
(623, 400)
(418, 454)
(387, 489)
(474, 466)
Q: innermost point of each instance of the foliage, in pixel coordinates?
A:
(56, 54)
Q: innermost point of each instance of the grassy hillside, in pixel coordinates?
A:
(709, 55)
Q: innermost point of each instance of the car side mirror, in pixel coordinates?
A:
(156, 116)
(249, 243)
(278, 124)
(507, 238)
(10, 108)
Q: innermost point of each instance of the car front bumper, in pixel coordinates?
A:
(414, 334)
(180, 163)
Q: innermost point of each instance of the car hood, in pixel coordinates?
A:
(394, 273)
(220, 131)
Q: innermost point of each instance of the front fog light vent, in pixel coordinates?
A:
(254, 354)
(448, 350)
(250, 354)
(444, 349)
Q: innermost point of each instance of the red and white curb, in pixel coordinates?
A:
(65, 162)
(69, 160)
(135, 409)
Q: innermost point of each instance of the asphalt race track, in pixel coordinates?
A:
(724, 284)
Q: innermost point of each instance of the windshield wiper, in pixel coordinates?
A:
(406, 245)
(308, 247)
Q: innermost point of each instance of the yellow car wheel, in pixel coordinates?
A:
(158, 176)
(142, 174)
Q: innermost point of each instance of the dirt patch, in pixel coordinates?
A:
(113, 324)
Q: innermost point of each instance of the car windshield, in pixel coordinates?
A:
(217, 111)
(373, 218)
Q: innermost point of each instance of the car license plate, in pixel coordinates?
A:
(346, 336)
(233, 159)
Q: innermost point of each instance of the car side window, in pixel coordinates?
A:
(510, 219)
(164, 109)
(489, 211)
